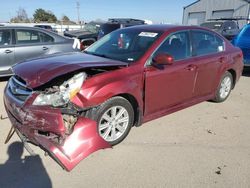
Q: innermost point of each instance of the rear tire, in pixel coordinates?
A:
(114, 119)
(224, 88)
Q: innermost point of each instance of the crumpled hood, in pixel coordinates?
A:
(39, 71)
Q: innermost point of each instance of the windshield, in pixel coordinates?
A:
(126, 45)
(93, 28)
(212, 25)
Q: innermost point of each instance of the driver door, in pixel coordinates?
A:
(170, 85)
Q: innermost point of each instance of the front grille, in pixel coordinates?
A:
(18, 88)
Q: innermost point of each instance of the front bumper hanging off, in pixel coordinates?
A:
(29, 123)
(81, 143)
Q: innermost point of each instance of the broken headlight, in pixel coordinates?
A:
(64, 93)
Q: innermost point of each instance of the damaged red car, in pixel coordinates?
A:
(73, 104)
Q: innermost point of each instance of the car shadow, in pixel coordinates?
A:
(23, 173)
(4, 79)
(246, 72)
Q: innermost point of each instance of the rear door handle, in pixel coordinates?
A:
(191, 67)
(45, 48)
(8, 51)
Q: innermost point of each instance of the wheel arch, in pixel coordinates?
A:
(233, 73)
(136, 108)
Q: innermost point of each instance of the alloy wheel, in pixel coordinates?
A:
(113, 123)
(225, 87)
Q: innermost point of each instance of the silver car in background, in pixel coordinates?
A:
(20, 43)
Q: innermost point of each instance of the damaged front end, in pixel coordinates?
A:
(48, 118)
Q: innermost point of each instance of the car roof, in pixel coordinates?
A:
(125, 21)
(165, 27)
(20, 27)
(42, 25)
(56, 36)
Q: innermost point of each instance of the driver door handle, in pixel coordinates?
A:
(45, 48)
(8, 51)
(191, 67)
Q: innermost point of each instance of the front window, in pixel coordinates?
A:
(125, 45)
(176, 45)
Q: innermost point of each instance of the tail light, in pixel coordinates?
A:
(81, 46)
(240, 54)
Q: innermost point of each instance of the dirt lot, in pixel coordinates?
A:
(207, 145)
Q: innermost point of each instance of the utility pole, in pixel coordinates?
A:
(78, 13)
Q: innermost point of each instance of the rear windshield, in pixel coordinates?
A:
(108, 28)
(212, 25)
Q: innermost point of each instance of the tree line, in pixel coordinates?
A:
(40, 15)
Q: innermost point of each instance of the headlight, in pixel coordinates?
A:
(66, 92)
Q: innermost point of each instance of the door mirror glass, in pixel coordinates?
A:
(163, 59)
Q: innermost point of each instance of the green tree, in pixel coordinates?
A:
(65, 18)
(41, 15)
(21, 17)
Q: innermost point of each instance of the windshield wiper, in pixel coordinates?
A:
(103, 55)
(96, 54)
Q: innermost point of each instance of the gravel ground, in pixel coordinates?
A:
(207, 145)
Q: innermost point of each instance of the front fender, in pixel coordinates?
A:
(96, 95)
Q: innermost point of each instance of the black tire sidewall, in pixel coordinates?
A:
(218, 97)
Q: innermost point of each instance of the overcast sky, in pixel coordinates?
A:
(168, 11)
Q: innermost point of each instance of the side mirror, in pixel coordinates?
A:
(163, 59)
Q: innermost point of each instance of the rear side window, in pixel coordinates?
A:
(45, 38)
(27, 37)
(5, 37)
(205, 43)
(30, 37)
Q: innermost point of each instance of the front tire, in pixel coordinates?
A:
(224, 88)
(114, 119)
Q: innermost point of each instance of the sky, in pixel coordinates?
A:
(158, 11)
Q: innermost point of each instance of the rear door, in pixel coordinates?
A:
(29, 44)
(209, 53)
(7, 51)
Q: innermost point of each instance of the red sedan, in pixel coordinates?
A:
(76, 103)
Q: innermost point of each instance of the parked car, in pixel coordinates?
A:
(242, 40)
(73, 104)
(87, 35)
(94, 31)
(117, 23)
(20, 43)
(227, 28)
(48, 27)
